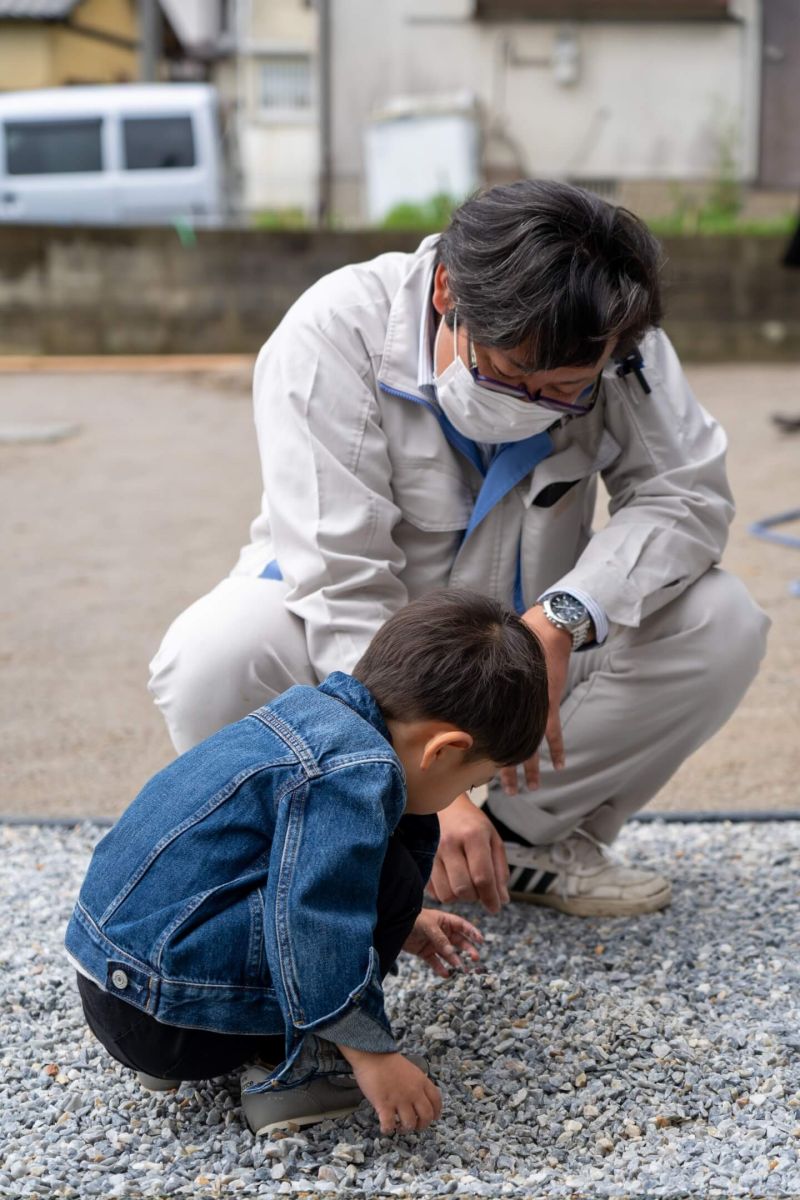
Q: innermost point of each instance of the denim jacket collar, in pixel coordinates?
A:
(352, 693)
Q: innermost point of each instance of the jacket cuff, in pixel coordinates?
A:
(360, 1032)
(317, 1055)
(311, 1058)
(595, 610)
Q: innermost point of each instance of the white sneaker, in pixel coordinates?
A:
(578, 876)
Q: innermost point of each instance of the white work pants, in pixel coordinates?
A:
(633, 710)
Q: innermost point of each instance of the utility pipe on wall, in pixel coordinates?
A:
(151, 40)
(324, 198)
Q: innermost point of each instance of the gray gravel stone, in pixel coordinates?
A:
(654, 1056)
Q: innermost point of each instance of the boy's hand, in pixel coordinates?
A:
(404, 1098)
(438, 937)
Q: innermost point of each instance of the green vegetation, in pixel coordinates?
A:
(720, 212)
(709, 220)
(431, 216)
(281, 218)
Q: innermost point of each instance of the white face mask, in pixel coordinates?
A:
(483, 415)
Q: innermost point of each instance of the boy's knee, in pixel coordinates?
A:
(401, 892)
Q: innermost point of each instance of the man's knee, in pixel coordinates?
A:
(720, 639)
(228, 653)
(727, 629)
(198, 678)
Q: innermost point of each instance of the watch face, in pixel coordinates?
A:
(567, 609)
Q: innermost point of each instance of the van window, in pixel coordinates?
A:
(158, 143)
(53, 147)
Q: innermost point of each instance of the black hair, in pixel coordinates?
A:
(551, 267)
(462, 658)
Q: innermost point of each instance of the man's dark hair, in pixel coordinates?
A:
(553, 268)
(463, 658)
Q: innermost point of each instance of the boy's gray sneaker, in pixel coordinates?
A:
(154, 1084)
(324, 1097)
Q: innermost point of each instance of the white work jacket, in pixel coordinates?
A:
(367, 502)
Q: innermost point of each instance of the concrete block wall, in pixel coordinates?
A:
(71, 290)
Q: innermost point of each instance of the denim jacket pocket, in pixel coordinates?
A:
(228, 925)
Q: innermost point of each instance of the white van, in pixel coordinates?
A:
(128, 154)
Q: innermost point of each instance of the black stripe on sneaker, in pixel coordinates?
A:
(516, 872)
(521, 882)
(544, 883)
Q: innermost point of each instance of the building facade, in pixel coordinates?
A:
(631, 97)
(269, 76)
(343, 107)
(57, 42)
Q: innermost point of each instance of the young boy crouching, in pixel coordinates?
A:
(246, 906)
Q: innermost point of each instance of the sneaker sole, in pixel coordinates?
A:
(585, 906)
(297, 1122)
(153, 1083)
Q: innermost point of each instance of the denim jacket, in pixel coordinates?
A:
(238, 891)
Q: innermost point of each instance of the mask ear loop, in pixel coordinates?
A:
(442, 324)
(473, 358)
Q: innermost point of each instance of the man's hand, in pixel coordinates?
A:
(557, 646)
(438, 937)
(471, 862)
(404, 1098)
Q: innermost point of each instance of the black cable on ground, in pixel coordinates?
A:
(742, 817)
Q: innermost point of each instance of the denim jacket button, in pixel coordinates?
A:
(119, 979)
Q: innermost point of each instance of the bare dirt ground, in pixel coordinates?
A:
(110, 532)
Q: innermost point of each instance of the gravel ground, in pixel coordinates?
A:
(656, 1056)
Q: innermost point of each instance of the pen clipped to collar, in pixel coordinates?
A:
(631, 362)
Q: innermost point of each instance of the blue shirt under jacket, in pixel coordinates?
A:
(238, 891)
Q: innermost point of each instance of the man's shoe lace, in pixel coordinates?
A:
(565, 854)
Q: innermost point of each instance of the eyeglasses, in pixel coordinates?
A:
(583, 403)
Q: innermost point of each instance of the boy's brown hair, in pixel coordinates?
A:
(462, 658)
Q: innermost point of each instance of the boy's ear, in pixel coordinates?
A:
(455, 739)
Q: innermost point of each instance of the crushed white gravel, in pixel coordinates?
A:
(654, 1056)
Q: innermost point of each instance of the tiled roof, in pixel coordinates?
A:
(35, 10)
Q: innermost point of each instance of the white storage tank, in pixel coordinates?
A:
(420, 147)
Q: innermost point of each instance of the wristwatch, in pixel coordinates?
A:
(565, 612)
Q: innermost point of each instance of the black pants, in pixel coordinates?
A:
(139, 1041)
